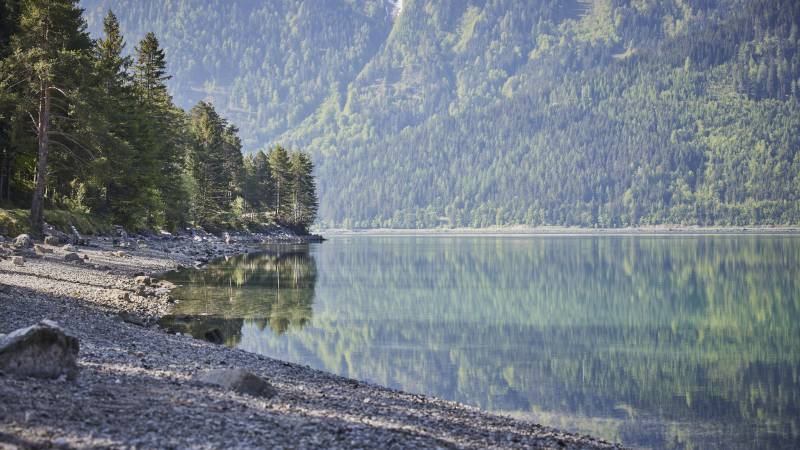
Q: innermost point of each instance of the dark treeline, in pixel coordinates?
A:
(86, 128)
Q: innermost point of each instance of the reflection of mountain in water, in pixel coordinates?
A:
(273, 289)
(660, 342)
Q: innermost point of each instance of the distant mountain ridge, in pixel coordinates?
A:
(479, 113)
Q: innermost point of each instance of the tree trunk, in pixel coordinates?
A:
(37, 205)
(5, 175)
(278, 203)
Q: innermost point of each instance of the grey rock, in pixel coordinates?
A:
(41, 249)
(144, 280)
(72, 256)
(18, 260)
(237, 380)
(132, 318)
(68, 248)
(166, 284)
(43, 350)
(53, 240)
(23, 241)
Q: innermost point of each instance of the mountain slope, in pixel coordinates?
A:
(454, 113)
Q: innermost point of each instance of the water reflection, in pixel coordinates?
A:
(664, 342)
(273, 289)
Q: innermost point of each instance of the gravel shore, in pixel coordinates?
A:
(136, 390)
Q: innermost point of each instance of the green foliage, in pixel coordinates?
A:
(108, 140)
(302, 191)
(280, 171)
(16, 221)
(454, 113)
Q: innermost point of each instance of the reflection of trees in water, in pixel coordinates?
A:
(273, 289)
(698, 329)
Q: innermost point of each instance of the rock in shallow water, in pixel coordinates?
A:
(43, 350)
(214, 336)
(237, 380)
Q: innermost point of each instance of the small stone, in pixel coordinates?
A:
(143, 279)
(43, 350)
(72, 256)
(18, 260)
(166, 285)
(41, 249)
(53, 240)
(23, 241)
(132, 318)
(126, 296)
(68, 248)
(118, 254)
(237, 380)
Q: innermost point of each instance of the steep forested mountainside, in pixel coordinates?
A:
(476, 113)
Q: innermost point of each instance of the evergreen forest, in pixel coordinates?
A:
(475, 113)
(89, 128)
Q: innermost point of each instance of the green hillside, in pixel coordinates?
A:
(480, 113)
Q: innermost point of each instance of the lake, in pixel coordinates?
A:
(653, 341)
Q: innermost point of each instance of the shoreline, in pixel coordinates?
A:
(520, 231)
(136, 387)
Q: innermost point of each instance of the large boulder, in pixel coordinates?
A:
(43, 350)
(23, 241)
(237, 380)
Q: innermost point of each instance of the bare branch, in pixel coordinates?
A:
(56, 88)
(71, 152)
(72, 140)
(35, 123)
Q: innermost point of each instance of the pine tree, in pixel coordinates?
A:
(161, 141)
(258, 183)
(303, 196)
(281, 179)
(50, 56)
(123, 183)
(206, 163)
(233, 161)
(150, 71)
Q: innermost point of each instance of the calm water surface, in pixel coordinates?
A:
(657, 342)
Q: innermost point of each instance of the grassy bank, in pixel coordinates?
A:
(15, 221)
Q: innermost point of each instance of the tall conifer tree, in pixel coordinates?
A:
(281, 178)
(50, 54)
